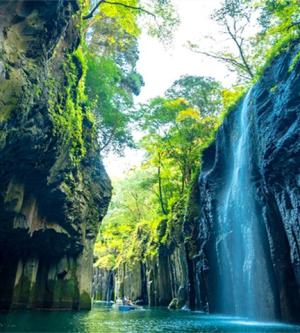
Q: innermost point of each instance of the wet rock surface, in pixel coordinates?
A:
(54, 190)
(103, 285)
(274, 120)
(187, 268)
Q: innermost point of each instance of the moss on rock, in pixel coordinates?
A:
(49, 148)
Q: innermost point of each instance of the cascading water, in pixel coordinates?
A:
(245, 278)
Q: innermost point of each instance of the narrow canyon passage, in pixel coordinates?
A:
(149, 166)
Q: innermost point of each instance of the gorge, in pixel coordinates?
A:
(236, 250)
(210, 220)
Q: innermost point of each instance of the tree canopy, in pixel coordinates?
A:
(175, 132)
(177, 126)
(112, 29)
(256, 31)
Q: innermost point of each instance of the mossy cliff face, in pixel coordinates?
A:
(186, 263)
(156, 277)
(54, 190)
(157, 281)
(162, 269)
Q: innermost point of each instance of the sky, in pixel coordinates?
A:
(160, 66)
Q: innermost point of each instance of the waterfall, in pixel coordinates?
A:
(245, 280)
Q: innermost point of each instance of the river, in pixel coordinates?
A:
(103, 319)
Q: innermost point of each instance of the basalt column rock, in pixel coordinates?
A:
(103, 285)
(272, 123)
(54, 190)
(164, 275)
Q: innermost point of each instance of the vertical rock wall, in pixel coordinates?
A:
(187, 268)
(53, 188)
(103, 285)
(157, 281)
(169, 273)
(274, 117)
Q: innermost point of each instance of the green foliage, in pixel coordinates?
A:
(120, 20)
(148, 206)
(66, 107)
(202, 93)
(294, 62)
(176, 135)
(112, 80)
(230, 98)
(258, 30)
(280, 23)
(165, 22)
(131, 220)
(110, 102)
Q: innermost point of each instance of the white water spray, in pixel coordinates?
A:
(245, 288)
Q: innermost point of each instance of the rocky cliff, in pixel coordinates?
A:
(163, 274)
(103, 285)
(274, 166)
(187, 266)
(157, 281)
(53, 187)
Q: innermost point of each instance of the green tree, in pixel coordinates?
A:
(236, 21)
(110, 102)
(280, 25)
(257, 30)
(112, 53)
(178, 127)
(175, 134)
(112, 79)
(203, 93)
(133, 208)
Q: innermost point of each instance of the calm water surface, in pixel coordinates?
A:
(102, 320)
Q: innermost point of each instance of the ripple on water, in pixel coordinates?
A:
(105, 320)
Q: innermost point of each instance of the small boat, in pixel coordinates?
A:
(124, 307)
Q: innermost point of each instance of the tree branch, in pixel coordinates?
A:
(240, 49)
(110, 138)
(293, 25)
(231, 61)
(91, 14)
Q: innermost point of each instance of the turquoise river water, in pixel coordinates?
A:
(103, 319)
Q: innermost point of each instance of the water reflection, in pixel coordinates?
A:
(103, 319)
